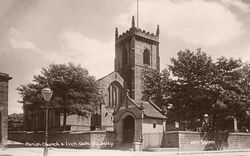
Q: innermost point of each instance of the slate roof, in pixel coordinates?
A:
(151, 110)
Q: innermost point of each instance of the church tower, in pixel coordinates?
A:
(136, 52)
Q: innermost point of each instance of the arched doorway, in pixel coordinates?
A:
(128, 129)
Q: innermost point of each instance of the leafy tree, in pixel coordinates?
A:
(74, 91)
(156, 87)
(15, 122)
(230, 98)
(245, 84)
(191, 98)
(201, 91)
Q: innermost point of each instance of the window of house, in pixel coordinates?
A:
(154, 125)
(146, 57)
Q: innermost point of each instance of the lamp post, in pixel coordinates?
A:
(46, 94)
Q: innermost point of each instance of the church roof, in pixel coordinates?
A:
(150, 109)
(106, 76)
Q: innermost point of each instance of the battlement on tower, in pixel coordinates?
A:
(137, 32)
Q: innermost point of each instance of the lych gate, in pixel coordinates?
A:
(138, 121)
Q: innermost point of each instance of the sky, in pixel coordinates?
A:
(36, 33)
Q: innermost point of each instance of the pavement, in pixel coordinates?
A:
(17, 149)
(90, 152)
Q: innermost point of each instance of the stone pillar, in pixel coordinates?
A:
(118, 132)
(138, 129)
(4, 78)
(235, 125)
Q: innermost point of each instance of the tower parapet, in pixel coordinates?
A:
(138, 33)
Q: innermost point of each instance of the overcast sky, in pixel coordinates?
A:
(36, 33)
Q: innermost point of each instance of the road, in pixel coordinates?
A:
(80, 152)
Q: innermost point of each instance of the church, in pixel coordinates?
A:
(122, 108)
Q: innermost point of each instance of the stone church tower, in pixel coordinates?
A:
(136, 52)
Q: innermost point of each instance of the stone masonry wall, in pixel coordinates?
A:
(190, 141)
(93, 139)
(193, 141)
(4, 78)
(239, 141)
(170, 140)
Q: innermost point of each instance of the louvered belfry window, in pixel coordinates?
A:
(146, 57)
(125, 57)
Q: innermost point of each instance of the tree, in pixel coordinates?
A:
(201, 91)
(156, 87)
(245, 84)
(190, 97)
(74, 91)
(15, 122)
(231, 97)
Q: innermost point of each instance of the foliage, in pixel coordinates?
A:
(15, 122)
(190, 96)
(202, 92)
(74, 91)
(156, 86)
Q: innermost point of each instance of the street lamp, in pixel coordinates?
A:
(46, 94)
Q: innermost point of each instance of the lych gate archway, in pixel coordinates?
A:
(128, 129)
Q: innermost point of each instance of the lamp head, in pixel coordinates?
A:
(46, 94)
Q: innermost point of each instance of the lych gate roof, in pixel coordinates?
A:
(150, 109)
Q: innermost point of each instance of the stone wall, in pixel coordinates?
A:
(91, 139)
(77, 122)
(239, 141)
(191, 141)
(152, 140)
(170, 140)
(4, 78)
(187, 141)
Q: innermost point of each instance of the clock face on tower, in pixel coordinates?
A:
(145, 71)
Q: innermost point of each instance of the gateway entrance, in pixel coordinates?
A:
(128, 129)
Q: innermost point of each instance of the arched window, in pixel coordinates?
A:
(146, 57)
(115, 95)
